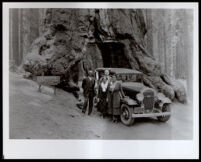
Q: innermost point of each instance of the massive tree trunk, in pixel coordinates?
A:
(79, 37)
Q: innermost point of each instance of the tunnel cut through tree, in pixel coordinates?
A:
(113, 55)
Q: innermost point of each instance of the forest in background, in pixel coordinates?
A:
(168, 37)
(25, 25)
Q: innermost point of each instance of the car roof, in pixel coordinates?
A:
(119, 70)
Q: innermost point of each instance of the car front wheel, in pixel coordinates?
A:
(126, 115)
(165, 108)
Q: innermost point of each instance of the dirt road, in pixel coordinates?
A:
(35, 115)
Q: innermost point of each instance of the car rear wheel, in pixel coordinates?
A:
(126, 115)
(165, 108)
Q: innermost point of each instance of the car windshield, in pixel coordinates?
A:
(125, 77)
(130, 77)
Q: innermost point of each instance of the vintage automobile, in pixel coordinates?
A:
(140, 101)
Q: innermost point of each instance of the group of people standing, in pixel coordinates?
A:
(109, 95)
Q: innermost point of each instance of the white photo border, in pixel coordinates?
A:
(99, 149)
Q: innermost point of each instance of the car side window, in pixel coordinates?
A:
(139, 78)
(124, 78)
(119, 77)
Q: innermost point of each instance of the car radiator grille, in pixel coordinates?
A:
(148, 100)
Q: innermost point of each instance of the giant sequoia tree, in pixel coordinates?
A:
(76, 40)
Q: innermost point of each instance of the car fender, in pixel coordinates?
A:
(128, 101)
(163, 98)
(167, 100)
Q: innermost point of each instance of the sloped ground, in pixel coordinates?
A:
(35, 115)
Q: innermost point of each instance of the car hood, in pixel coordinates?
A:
(133, 86)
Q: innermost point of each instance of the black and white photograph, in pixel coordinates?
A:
(97, 72)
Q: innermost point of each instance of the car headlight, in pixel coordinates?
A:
(160, 104)
(139, 97)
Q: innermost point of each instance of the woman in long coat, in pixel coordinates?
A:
(102, 95)
(114, 96)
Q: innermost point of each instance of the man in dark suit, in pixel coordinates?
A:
(88, 85)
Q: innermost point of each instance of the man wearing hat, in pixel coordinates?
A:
(88, 85)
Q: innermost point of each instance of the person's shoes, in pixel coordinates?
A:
(115, 120)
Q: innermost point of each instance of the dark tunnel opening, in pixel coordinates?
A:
(113, 55)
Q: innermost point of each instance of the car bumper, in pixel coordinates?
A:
(150, 115)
